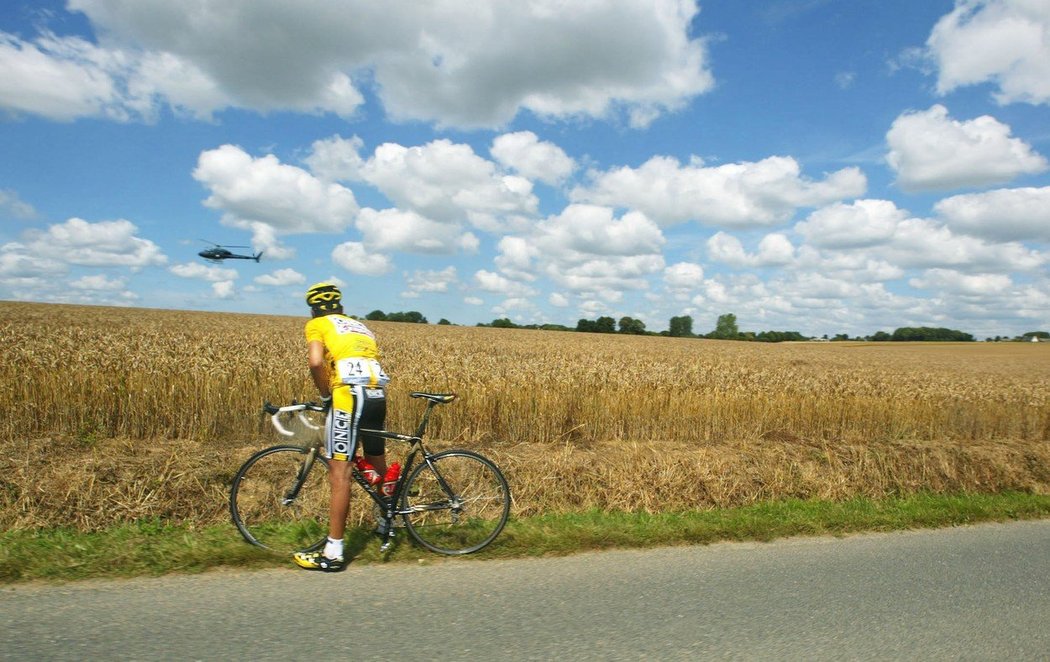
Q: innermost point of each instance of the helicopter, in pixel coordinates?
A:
(218, 253)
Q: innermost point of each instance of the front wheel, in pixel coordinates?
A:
(279, 499)
(456, 502)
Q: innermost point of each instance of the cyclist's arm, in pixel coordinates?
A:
(318, 369)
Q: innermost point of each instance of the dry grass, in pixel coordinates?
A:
(114, 414)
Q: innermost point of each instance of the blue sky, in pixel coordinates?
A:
(824, 166)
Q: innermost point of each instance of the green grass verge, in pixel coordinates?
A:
(155, 548)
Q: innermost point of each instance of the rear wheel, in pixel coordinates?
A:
(279, 499)
(456, 503)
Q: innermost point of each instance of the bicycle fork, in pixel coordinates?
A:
(304, 471)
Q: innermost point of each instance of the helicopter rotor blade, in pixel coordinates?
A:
(223, 245)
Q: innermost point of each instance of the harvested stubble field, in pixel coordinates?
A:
(114, 414)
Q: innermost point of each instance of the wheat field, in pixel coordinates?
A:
(111, 414)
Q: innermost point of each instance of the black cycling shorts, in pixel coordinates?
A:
(354, 408)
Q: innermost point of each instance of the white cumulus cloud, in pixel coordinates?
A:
(264, 191)
(16, 263)
(773, 249)
(947, 280)
(59, 79)
(736, 195)
(281, 277)
(1020, 214)
(224, 289)
(557, 61)
(684, 276)
(448, 182)
(860, 223)
(336, 158)
(12, 205)
(212, 274)
(593, 230)
(99, 283)
(101, 244)
(395, 230)
(585, 249)
(355, 258)
(489, 281)
(423, 282)
(1005, 42)
(923, 243)
(931, 151)
(524, 152)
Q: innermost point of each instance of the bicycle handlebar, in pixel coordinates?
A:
(296, 408)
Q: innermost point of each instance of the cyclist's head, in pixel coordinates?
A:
(324, 299)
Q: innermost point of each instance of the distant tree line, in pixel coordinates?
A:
(911, 334)
(679, 327)
(411, 316)
(505, 323)
(1027, 336)
(627, 325)
(726, 328)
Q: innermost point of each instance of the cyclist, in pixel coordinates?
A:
(343, 359)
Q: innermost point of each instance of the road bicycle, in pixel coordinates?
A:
(452, 502)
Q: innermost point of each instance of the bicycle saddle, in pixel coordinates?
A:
(441, 398)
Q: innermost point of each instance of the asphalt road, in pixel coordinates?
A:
(971, 593)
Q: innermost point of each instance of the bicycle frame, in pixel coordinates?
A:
(304, 471)
(387, 505)
(454, 501)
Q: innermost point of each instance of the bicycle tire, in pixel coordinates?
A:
(263, 514)
(468, 518)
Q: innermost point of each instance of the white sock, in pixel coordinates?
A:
(333, 549)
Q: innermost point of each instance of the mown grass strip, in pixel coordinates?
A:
(155, 548)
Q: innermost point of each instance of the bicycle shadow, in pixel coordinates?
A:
(356, 541)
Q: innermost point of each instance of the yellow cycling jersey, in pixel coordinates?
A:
(350, 350)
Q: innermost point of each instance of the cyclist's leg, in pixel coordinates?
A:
(373, 417)
(339, 503)
(340, 443)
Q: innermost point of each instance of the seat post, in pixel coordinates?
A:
(426, 418)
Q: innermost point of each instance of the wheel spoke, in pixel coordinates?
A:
(262, 506)
(467, 515)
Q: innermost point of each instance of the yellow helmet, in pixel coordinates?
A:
(325, 297)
